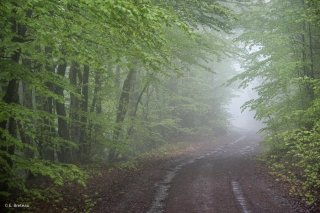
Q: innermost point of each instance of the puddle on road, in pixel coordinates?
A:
(163, 187)
(162, 193)
(240, 197)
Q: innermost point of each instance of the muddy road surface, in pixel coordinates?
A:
(223, 179)
(223, 176)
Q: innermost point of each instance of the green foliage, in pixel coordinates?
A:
(298, 159)
(203, 13)
(63, 66)
(280, 54)
(58, 173)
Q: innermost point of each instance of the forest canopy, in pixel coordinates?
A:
(94, 81)
(281, 54)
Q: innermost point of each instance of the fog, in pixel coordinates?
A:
(243, 119)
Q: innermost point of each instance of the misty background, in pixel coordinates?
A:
(243, 119)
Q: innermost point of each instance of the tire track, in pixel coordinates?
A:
(163, 187)
(158, 204)
(239, 196)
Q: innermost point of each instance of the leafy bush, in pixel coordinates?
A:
(297, 157)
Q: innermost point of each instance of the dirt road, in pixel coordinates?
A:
(223, 180)
(219, 177)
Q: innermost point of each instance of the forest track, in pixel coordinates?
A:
(220, 177)
(222, 180)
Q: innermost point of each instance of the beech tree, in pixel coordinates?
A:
(281, 52)
(80, 81)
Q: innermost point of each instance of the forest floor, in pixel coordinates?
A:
(206, 176)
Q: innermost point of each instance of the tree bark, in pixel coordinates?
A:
(46, 147)
(74, 107)
(96, 107)
(96, 101)
(134, 113)
(11, 97)
(84, 145)
(26, 101)
(122, 110)
(63, 129)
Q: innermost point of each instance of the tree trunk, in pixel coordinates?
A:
(26, 95)
(47, 148)
(63, 129)
(95, 129)
(134, 113)
(84, 145)
(10, 97)
(74, 107)
(122, 110)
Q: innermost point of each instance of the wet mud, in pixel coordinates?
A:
(221, 176)
(225, 181)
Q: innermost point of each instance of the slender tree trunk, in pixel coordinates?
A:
(26, 95)
(74, 107)
(96, 107)
(84, 146)
(134, 113)
(122, 110)
(96, 100)
(146, 105)
(96, 91)
(47, 148)
(63, 129)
